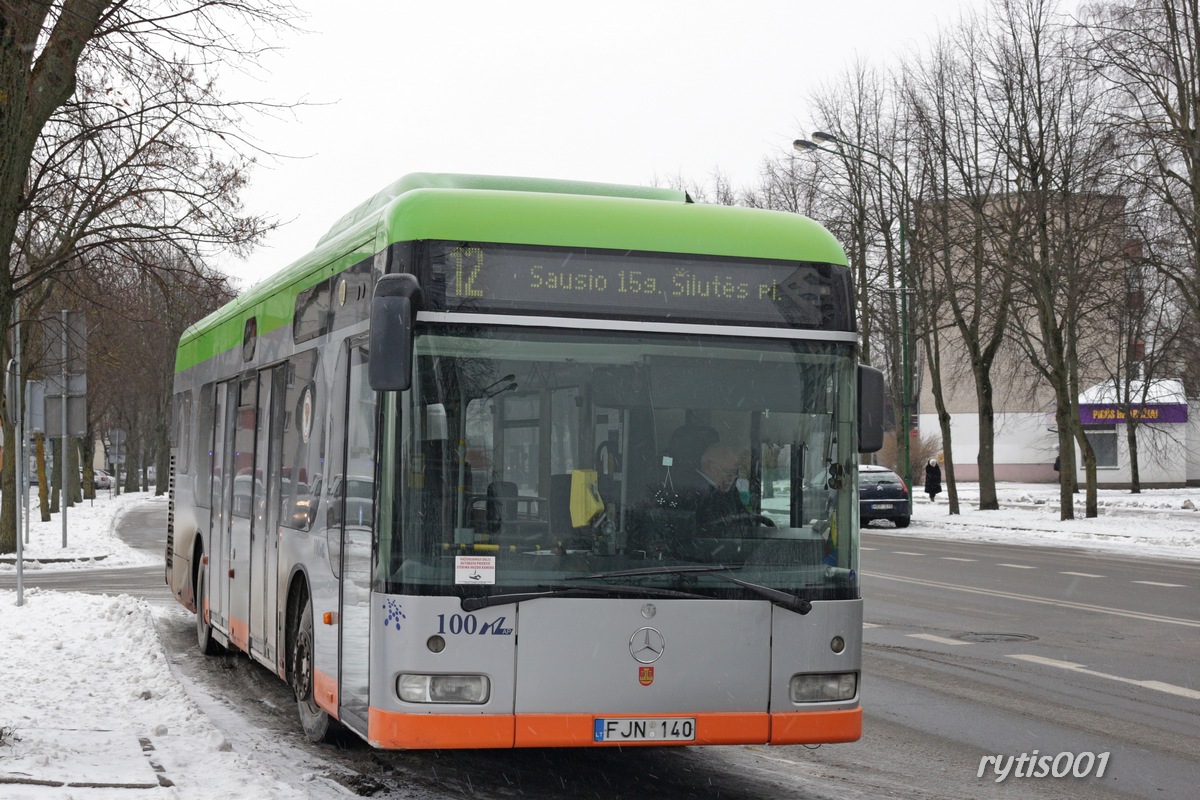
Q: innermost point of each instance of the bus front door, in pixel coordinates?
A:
(246, 487)
(217, 546)
(264, 541)
(355, 516)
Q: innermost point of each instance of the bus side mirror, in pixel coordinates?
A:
(393, 311)
(870, 409)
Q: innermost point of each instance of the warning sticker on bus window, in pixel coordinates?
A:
(475, 569)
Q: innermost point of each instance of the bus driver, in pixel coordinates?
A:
(717, 502)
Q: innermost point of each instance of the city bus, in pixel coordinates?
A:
(442, 474)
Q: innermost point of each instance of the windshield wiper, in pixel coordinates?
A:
(575, 590)
(801, 605)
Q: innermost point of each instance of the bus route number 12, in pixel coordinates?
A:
(468, 262)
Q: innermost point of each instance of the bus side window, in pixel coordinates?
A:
(311, 318)
(352, 295)
(303, 447)
(181, 430)
(204, 446)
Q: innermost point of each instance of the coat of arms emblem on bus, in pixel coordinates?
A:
(645, 675)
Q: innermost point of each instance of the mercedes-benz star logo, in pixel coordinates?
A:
(646, 645)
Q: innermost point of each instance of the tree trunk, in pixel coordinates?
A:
(56, 493)
(933, 355)
(8, 485)
(988, 500)
(948, 462)
(43, 495)
(73, 490)
(87, 456)
(1135, 477)
(1066, 464)
(1091, 508)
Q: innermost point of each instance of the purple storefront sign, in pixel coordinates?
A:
(1108, 413)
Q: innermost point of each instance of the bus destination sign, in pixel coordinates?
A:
(495, 278)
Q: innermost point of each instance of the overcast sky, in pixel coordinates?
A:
(624, 91)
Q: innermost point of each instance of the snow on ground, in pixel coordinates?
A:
(91, 541)
(87, 695)
(1159, 523)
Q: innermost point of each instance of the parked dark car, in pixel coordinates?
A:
(882, 495)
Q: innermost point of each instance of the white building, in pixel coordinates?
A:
(1026, 442)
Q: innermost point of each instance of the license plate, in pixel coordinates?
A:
(882, 506)
(645, 729)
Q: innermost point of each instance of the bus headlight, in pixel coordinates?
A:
(443, 688)
(823, 688)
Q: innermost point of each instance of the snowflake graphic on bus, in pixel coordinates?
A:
(394, 613)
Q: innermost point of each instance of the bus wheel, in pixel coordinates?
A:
(318, 726)
(204, 634)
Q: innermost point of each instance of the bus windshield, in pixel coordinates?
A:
(524, 457)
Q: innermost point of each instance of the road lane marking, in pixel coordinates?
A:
(1167, 585)
(929, 637)
(906, 553)
(871, 625)
(1045, 601)
(860, 547)
(952, 558)
(1016, 566)
(1157, 686)
(1082, 574)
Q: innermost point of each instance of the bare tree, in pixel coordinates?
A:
(867, 205)
(1150, 52)
(113, 137)
(137, 328)
(1072, 222)
(967, 243)
(1151, 322)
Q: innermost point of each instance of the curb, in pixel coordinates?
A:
(64, 560)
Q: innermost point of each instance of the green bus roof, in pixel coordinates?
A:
(508, 210)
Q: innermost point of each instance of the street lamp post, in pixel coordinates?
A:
(805, 145)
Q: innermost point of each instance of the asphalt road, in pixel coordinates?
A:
(972, 650)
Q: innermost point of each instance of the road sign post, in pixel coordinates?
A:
(66, 392)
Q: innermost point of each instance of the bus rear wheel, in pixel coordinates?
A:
(318, 725)
(204, 633)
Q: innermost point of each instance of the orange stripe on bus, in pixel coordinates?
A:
(425, 731)
(817, 727)
(325, 692)
(239, 634)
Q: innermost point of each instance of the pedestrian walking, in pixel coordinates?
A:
(933, 479)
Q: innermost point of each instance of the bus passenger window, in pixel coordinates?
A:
(303, 448)
(204, 446)
(181, 430)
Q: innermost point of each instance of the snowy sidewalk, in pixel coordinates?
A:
(89, 707)
(1157, 523)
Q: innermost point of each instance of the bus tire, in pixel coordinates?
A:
(204, 633)
(318, 726)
